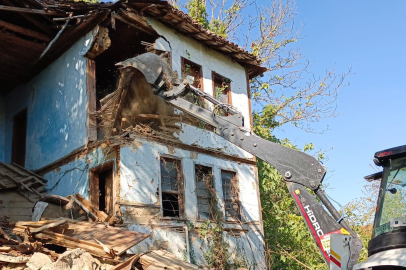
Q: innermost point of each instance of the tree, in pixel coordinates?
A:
(360, 214)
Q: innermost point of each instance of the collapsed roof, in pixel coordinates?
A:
(36, 32)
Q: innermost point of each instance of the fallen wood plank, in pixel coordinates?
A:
(85, 208)
(13, 259)
(48, 226)
(83, 235)
(6, 249)
(165, 260)
(127, 265)
(96, 212)
(65, 241)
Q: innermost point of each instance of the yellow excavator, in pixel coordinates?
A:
(338, 243)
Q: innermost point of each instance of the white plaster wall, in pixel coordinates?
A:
(2, 128)
(210, 60)
(56, 108)
(248, 248)
(140, 177)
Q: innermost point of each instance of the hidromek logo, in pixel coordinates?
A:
(313, 220)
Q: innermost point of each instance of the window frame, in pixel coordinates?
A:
(181, 187)
(185, 61)
(195, 180)
(238, 201)
(214, 76)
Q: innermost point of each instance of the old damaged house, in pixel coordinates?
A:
(68, 116)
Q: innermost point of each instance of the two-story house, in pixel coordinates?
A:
(147, 164)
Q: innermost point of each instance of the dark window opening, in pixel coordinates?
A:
(19, 138)
(126, 42)
(231, 195)
(171, 187)
(221, 90)
(101, 188)
(204, 192)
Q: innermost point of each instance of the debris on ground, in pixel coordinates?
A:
(69, 233)
(162, 259)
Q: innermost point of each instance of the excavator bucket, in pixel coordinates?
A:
(155, 70)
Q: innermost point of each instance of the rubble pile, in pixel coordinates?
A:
(82, 237)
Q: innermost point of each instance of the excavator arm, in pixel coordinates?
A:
(303, 173)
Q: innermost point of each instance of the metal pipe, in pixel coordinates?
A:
(333, 211)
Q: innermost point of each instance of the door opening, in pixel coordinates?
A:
(101, 188)
(19, 138)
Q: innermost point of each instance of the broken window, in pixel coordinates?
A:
(19, 138)
(222, 90)
(193, 70)
(171, 187)
(230, 195)
(101, 188)
(204, 191)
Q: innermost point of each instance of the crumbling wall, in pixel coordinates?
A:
(2, 128)
(56, 108)
(142, 105)
(73, 177)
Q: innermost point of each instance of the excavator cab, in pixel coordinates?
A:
(387, 248)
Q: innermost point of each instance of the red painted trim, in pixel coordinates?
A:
(335, 261)
(311, 227)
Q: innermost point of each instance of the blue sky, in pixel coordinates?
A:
(369, 36)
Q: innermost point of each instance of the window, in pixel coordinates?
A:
(171, 187)
(204, 191)
(193, 70)
(190, 69)
(230, 195)
(222, 88)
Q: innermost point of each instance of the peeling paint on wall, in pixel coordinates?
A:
(138, 167)
(73, 177)
(56, 108)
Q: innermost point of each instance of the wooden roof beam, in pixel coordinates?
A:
(31, 19)
(24, 31)
(30, 10)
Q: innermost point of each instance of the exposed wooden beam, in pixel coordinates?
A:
(31, 19)
(22, 42)
(30, 10)
(24, 31)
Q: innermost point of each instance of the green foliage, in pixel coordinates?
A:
(360, 215)
(289, 243)
(197, 10)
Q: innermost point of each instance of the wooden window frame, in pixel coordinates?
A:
(214, 76)
(181, 187)
(91, 122)
(239, 217)
(197, 196)
(185, 61)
